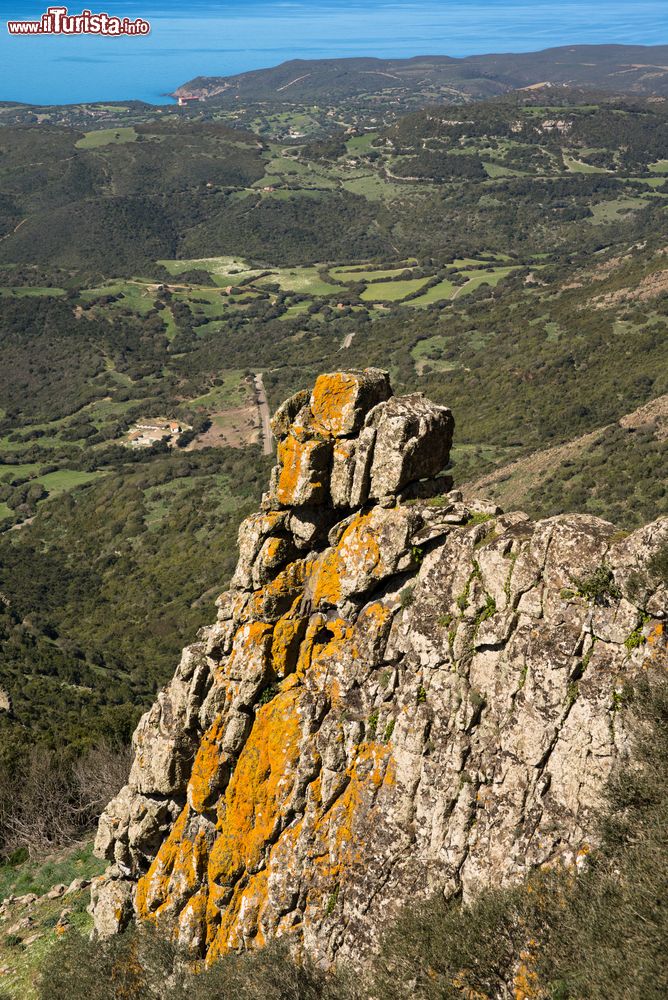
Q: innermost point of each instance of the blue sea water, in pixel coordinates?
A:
(204, 38)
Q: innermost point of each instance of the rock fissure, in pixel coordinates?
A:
(401, 695)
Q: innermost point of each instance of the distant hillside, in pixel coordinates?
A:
(634, 69)
(597, 473)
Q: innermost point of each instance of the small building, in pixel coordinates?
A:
(186, 99)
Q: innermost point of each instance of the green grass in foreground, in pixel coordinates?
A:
(22, 960)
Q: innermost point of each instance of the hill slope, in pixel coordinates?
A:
(619, 68)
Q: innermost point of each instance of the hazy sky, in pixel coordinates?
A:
(201, 38)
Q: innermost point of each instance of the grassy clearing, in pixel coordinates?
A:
(209, 302)
(40, 875)
(24, 470)
(227, 267)
(576, 166)
(361, 143)
(494, 170)
(427, 355)
(232, 391)
(107, 137)
(392, 291)
(305, 280)
(477, 278)
(297, 309)
(64, 480)
(21, 292)
(652, 182)
(353, 274)
(373, 187)
(612, 211)
(444, 290)
(138, 297)
(660, 167)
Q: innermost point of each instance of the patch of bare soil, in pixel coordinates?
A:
(650, 287)
(234, 428)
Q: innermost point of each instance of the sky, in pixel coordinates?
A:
(216, 39)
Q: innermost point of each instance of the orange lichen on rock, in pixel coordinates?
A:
(286, 640)
(176, 873)
(277, 598)
(303, 471)
(356, 555)
(210, 768)
(239, 924)
(336, 827)
(333, 403)
(252, 807)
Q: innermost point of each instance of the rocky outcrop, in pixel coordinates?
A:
(403, 693)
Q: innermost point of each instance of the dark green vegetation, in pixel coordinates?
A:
(598, 934)
(507, 258)
(108, 584)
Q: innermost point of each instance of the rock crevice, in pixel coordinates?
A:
(402, 694)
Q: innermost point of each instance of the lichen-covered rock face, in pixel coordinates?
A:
(402, 694)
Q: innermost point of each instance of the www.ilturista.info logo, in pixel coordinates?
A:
(57, 21)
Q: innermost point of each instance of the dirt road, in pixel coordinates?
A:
(265, 416)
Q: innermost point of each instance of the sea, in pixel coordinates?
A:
(202, 38)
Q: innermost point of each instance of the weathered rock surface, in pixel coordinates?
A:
(400, 695)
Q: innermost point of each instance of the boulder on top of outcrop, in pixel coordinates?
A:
(413, 441)
(340, 401)
(353, 441)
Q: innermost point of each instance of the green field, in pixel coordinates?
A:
(576, 166)
(30, 291)
(392, 291)
(361, 143)
(612, 211)
(231, 392)
(494, 170)
(107, 137)
(444, 290)
(305, 280)
(227, 267)
(426, 355)
(354, 274)
(135, 295)
(477, 278)
(65, 479)
(374, 187)
(27, 469)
